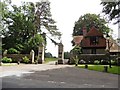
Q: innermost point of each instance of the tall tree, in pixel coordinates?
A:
(112, 10)
(44, 18)
(88, 21)
(20, 26)
(25, 21)
(3, 12)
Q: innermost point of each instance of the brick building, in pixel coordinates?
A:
(91, 42)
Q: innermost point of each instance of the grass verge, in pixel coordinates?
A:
(50, 59)
(113, 70)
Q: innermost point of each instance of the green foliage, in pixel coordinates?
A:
(3, 12)
(75, 53)
(50, 59)
(96, 62)
(114, 62)
(12, 51)
(14, 60)
(25, 60)
(111, 10)
(35, 41)
(114, 69)
(46, 21)
(20, 27)
(48, 55)
(6, 60)
(66, 55)
(104, 62)
(88, 21)
(76, 50)
(23, 22)
(19, 47)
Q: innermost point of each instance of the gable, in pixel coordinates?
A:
(94, 32)
(93, 39)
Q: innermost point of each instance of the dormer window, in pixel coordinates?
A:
(94, 40)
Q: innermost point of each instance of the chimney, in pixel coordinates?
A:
(84, 31)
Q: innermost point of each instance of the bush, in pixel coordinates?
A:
(96, 62)
(12, 51)
(82, 62)
(6, 60)
(71, 61)
(66, 55)
(14, 60)
(48, 55)
(26, 59)
(113, 62)
(104, 62)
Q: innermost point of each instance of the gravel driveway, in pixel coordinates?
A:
(18, 70)
(56, 76)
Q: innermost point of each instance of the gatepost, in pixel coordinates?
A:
(60, 53)
(32, 53)
(41, 54)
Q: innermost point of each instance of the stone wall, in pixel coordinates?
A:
(98, 51)
(17, 57)
(90, 58)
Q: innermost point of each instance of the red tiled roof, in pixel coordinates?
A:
(94, 32)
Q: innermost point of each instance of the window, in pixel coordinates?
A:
(94, 40)
(93, 51)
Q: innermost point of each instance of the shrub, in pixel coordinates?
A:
(26, 59)
(113, 62)
(104, 62)
(14, 60)
(71, 61)
(96, 62)
(82, 62)
(12, 51)
(6, 60)
(48, 55)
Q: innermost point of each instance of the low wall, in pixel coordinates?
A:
(17, 57)
(92, 57)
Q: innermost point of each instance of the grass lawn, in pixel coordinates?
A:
(50, 59)
(113, 70)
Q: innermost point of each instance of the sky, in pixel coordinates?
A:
(65, 13)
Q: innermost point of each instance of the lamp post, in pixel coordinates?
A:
(108, 49)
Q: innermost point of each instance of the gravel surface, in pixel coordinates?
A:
(18, 70)
(59, 76)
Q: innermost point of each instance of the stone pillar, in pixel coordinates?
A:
(41, 54)
(32, 53)
(4, 53)
(60, 53)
